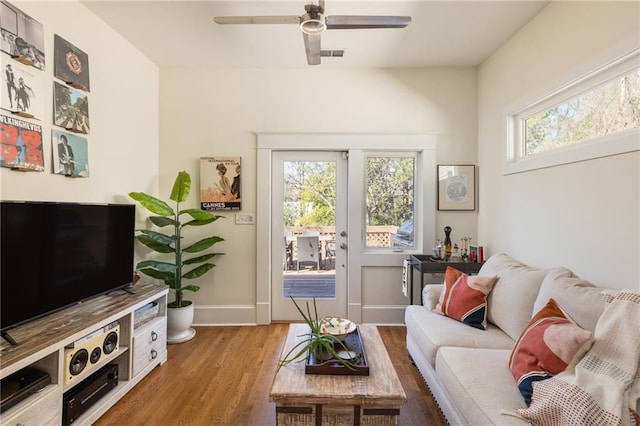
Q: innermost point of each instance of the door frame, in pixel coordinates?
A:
(356, 144)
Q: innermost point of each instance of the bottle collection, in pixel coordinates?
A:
(444, 250)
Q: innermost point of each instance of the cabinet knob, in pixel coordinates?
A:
(154, 354)
(154, 336)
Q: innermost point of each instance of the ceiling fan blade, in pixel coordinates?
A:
(312, 47)
(223, 20)
(349, 22)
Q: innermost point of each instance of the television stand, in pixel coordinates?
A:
(50, 344)
(8, 338)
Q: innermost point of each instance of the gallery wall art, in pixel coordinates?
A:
(23, 92)
(22, 36)
(20, 144)
(70, 64)
(70, 108)
(70, 154)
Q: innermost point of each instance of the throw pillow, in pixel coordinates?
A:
(545, 347)
(464, 297)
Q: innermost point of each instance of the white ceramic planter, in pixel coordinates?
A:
(179, 322)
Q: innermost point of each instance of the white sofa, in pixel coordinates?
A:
(467, 368)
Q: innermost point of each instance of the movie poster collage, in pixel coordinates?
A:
(24, 76)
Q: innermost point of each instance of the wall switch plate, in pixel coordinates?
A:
(245, 219)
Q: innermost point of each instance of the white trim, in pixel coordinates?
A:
(210, 315)
(619, 143)
(355, 144)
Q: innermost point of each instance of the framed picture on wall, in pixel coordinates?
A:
(220, 187)
(456, 187)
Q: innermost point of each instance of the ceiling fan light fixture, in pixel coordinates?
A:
(312, 26)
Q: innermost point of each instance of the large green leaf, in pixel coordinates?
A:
(153, 204)
(154, 245)
(162, 221)
(200, 259)
(157, 274)
(199, 214)
(158, 237)
(191, 287)
(181, 187)
(199, 271)
(199, 222)
(158, 266)
(202, 244)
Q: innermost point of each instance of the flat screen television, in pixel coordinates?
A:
(54, 255)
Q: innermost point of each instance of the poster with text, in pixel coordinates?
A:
(21, 144)
(22, 36)
(22, 86)
(70, 109)
(70, 154)
(70, 64)
(220, 183)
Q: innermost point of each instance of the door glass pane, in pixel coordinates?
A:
(309, 210)
(389, 190)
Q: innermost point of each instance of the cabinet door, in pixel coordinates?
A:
(149, 343)
(43, 412)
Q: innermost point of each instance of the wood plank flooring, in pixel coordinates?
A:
(223, 377)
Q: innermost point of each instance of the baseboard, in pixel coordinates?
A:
(377, 314)
(207, 315)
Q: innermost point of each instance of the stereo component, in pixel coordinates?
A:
(86, 393)
(22, 384)
(82, 355)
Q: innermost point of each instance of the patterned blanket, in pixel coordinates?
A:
(603, 387)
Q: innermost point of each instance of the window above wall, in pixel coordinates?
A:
(595, 116)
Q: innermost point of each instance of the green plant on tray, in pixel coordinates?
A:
(314, 342)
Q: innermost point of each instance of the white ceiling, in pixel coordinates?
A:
(442, 33)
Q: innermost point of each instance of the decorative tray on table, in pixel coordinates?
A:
(354, 356)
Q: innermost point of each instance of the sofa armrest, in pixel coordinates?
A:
(431, 295)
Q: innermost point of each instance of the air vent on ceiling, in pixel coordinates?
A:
(332, 53)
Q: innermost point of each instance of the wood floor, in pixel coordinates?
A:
(223, 377)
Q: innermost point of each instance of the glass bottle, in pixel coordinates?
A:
(447, 242)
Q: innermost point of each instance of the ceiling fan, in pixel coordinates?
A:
(313, 23)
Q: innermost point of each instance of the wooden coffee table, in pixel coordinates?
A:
(312, 399)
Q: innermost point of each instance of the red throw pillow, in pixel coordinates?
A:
(464, 297)
(545, 347)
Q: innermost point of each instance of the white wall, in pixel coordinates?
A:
(585, 216)
(123, 106)
(207, 112)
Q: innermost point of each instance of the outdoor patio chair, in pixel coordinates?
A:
(308, 250)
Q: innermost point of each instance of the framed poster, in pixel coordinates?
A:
(70, 109)
(70, 64)
(24, 89)
(220, 183)
(70, 154)
(20, 144)
(456, 187)
(22, 36)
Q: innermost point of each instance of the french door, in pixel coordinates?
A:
(308, 233)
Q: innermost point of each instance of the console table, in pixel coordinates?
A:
(425, 264)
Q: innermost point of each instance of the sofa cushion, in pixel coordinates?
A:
(582, 301)
(432, 331)
(545, 348)
(510, 303)
(465, 297)
(480, 384)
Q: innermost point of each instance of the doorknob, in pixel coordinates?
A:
(343, 234)
(343, 246)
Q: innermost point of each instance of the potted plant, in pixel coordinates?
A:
(318, 342)
(180, 310)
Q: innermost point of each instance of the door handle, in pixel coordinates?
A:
(343, 234)
(343, 246)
